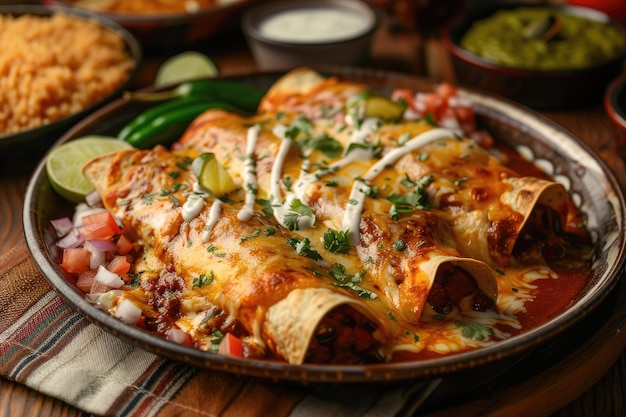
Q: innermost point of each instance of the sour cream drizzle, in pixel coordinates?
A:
(249, 174)
(360, 188)
(282, 208)
(368, 127)
(193, 206)
(195, 202)
(352, 215)
(214, 216)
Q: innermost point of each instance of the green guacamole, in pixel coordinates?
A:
(504, 39)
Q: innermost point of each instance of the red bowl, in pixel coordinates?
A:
(615, 106)
(539, 89)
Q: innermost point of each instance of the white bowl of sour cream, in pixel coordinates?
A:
(290, 33)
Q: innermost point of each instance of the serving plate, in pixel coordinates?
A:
(555, 150)
(40, 138)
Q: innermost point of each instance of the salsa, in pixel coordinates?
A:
(543, 38)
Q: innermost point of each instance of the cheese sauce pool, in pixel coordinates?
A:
(313, 25)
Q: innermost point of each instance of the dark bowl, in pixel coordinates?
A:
(170, 31)
(592, 185)
(539, 89)
(40, 138)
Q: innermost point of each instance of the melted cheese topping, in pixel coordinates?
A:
(406, 196)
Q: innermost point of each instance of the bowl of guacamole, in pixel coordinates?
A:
(547, 57)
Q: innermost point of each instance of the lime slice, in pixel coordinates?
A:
(64, 164)
(212, 175)
(185, 66)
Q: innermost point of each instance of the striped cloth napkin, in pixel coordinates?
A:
(47, 346)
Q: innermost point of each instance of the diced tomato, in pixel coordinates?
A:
(97, 231)
(124, 245)
(465, 115)
(75, 260)
(86, 279)
(446, 90)
(231, 345)
(432, 105)
(406, 95)
(104, 217)
(119, 265)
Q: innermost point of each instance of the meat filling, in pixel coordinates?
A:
(344, 336)
(454, 284)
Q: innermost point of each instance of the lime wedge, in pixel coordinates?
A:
(212, 175)
(185, 66)
(64, 164)
(382, 107)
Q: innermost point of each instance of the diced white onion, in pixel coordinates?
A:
(71, 240)
(104, 245)
(62, 226)
(106, 300)
(176, 336)
(93, 199)
(128, 312)
(108, 278)
(97, 259)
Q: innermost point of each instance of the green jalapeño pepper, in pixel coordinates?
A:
(165, 123)
(242, 96)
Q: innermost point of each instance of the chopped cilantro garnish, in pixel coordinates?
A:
(338, 272)
(203, 280)
(460, 181)
(430, 119)
(266, 207)
(134, 280)
(323, 143)
(409, 202)
(252, 235)
(298, 209)
(287, 182)
(337, 241)
(251, 188)
(298, 126)
(404, 138)
(473, 330)
(399, 245)
(148, 198)
(217, 338)
(374, 148)
(167, 193)
(303, 248)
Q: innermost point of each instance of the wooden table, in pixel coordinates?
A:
(587, 381)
